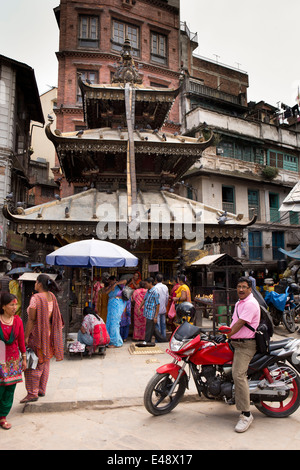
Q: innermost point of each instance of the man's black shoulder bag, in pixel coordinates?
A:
(263, 332)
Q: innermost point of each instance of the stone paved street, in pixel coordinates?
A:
(97, 403)
(191, 426)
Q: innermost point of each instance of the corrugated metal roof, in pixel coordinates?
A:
(292, 201)
(207, 260)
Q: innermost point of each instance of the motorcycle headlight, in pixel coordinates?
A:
(176, 345)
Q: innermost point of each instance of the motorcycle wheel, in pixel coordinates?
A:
(288, 404)
(156, 400)
(288, 318)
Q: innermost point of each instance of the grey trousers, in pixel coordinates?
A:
(152, 330)
(243, 353)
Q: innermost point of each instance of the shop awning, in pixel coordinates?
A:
(33, 276)
(217, 260)
(293, 253)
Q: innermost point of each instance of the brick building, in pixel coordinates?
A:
(91, 38)
(98, 163)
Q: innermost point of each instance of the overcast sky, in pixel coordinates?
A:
(258, 36)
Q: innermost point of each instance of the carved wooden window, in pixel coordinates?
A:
(228, 198)
(255, 246)
(159, 48)
(281, 160)
(121, 31)
(88, 31)
(253, 203)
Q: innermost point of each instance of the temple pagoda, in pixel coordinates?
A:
(129, 168)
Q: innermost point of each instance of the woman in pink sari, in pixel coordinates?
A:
(43, 334)
(139, 328)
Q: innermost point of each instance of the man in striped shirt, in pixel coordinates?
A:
(151, 308)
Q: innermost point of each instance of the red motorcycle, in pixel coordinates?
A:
(274, 382)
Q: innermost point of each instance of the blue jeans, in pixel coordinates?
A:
(85, 338)
(161, 324)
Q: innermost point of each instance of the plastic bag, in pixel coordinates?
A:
(31, 358)
(127, 293)
(172, 311)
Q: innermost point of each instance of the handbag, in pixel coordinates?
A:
(127, 293)
(172, 311)
(31, 358)
(100, 335)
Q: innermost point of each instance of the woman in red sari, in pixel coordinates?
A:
(43, 334)
(12, 341)
(139, 328)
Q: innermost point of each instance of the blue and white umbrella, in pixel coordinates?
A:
(20, 270)
(92, 253)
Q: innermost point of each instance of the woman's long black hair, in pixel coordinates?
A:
(90, 311)
(47, 283)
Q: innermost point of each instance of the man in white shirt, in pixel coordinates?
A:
(163, 293)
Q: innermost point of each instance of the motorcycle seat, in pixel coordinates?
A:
(187, 331)
(278, 344)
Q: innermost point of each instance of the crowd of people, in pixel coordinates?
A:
(148, 306)
(106, 322)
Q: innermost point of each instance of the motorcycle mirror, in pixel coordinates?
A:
(224, 329)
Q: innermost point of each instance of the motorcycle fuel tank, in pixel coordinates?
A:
(212, 353)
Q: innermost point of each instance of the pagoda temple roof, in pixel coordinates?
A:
(104, 105)
(157, 153)
(78, 215)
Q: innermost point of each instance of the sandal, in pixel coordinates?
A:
(4, 424)
(28, 399)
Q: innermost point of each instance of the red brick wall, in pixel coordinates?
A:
(214, 75)
(146, 15)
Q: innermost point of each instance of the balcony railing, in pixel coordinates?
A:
(274, 215)
(199, 89)
(229, 207)
(192, 36)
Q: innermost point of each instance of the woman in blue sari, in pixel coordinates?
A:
(115, 308)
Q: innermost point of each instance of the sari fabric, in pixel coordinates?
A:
(139, 328)
(46, 337)
(185, 288)
(135, 284)
(13, 338)
(172, 296)
(115, 308)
